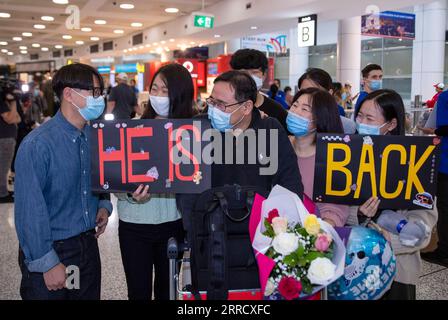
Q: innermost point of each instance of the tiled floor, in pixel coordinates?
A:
(433, 281)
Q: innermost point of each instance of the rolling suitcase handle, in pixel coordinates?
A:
(173, 253)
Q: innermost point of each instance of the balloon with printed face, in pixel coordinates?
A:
(370, 267)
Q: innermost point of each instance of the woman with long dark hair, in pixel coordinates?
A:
(314, 111)
(382, 113)
(148, 221)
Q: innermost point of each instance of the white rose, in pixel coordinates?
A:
(285, 243)
(270, 287)
(279, 225)
(321, 270)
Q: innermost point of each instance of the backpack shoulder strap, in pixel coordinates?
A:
(217, 284)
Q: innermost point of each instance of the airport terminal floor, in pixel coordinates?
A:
(432, 283)
(224, 150)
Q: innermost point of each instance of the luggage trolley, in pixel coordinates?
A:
(222, 261)
(183, 291)
(218, 248)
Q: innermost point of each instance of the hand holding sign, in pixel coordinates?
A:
(370, 207)
(141, 194)
(400, 171)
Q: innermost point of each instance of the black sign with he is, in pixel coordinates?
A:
(164, 154)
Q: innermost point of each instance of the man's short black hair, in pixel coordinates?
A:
(370, 67)
(242, 83)
(77, 76)
(249, 59)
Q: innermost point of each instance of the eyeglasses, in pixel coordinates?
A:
(96, 91)
(220, 104)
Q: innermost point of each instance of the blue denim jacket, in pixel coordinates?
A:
(53, 198)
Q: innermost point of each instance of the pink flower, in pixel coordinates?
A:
(289, 288)
(280, 225)
(272, 214)
(323, 242)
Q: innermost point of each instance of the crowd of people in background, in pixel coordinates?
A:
(23, 107)
(55, 153)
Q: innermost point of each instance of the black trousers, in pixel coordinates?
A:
(442, 207)
(144, 249)
(80, 252)
(401, 291)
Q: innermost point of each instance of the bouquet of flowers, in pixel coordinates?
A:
(298, 254)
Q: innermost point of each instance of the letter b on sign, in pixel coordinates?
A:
(307, 31)
(305, 34)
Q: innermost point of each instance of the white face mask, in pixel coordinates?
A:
(258, 82)
(161, 105)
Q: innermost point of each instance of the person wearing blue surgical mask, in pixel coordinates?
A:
(57, 217)
(148, 221)
(375, 119)
(248, 149)
(372, 80)
(382, 113)
(39, 104)
(225, 111)
(314, 110)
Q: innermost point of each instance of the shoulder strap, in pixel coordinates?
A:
(217, 284)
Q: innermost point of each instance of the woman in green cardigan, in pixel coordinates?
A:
(148, 221)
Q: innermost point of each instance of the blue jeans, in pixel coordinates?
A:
(80, 251)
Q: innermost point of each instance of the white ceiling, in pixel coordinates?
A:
(232, 20)
(26, 13)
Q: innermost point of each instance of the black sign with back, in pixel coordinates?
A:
(400, 170)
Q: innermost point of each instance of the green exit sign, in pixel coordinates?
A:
(202, 21)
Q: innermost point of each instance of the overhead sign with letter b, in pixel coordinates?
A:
(307, 31)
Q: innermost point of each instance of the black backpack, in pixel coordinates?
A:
(222, 257)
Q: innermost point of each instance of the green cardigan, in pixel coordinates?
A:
(159, 209)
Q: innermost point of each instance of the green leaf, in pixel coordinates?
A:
(302, 262)
(300, 251)
(271, 253)
(269, 230)
(313, 255)
(301, 231)
(329, 255)
(306, 285)
(290, 260)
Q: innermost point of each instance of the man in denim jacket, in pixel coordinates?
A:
(55, 211)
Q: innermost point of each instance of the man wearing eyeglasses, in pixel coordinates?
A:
(58, 219)
(231, 111)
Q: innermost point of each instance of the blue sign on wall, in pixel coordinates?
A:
(389, 24)
(131, 68)
(104, 69)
